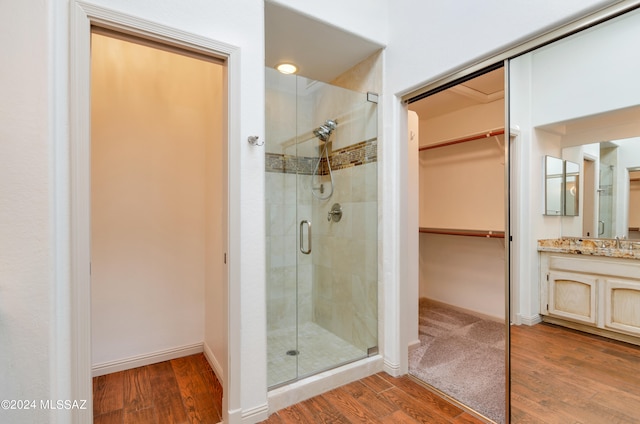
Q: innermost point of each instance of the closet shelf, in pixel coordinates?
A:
(470, 233)
(481, 136)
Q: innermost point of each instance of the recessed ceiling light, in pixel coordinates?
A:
(287, 68)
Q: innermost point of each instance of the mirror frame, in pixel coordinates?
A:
(554, 184)
(561, 187)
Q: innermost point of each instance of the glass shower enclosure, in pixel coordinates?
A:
(321, 226)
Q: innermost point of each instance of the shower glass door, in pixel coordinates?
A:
(321, 205)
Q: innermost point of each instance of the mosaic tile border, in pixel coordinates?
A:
(354, 155)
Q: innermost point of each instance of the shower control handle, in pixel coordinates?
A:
(302, 249)
(335, 213)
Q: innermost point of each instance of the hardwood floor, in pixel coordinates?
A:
(379, 398)
(183, 390)
(559, 376)
(564, 376)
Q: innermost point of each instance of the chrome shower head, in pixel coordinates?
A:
(324, 131)
(332, 124)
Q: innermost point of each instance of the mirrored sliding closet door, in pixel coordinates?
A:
(575, 342)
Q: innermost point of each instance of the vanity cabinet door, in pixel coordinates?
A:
(622, 305)
(572, 296)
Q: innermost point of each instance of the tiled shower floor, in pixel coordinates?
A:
(318, 349)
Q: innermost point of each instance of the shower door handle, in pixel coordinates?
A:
(302, 224)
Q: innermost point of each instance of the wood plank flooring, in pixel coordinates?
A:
(559, 376)
(379, 398)
(564, 376)
(180, 391)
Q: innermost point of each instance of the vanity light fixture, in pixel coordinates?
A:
(287, 68)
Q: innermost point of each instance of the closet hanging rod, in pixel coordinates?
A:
(491, 133)
(470, 233)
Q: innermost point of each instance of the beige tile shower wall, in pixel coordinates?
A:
(360, 124)
(356, 117)
(345, 258)
(363, 77)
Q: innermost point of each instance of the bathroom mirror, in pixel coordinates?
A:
(553, 175)
(607, 210)
(562, 182)
(571, 180)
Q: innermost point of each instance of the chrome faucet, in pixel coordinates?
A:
(619, 242)
(335, 213)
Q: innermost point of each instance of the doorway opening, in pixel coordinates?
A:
(462, 284)
(158, 205)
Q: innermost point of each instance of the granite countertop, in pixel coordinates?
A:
(629, 249)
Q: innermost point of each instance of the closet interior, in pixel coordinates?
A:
(461, 330)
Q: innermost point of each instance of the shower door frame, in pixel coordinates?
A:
(312, 220)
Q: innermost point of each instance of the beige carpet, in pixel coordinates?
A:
(462, 355)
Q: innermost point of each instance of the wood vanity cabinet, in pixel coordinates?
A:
(597, 294)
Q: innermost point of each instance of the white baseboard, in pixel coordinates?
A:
(256, 414)
(250, 416)
(414, 344)
(532, 320)
(235, 416)
(215, 365)
(146, 359)
(391, 369)
(482, 315)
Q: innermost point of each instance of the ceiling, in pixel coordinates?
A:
(319, 50)
(482, 89)
(322, 52)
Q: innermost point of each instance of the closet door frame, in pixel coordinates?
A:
(77, 162)
(517, 258)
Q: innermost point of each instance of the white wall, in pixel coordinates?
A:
(467, 272)
(462, 187)
(27, 255)
(425, 38)
(467, 121)
(424, 41)
(35, 307)
(558, 91)
(369, 22)
(151, 123)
